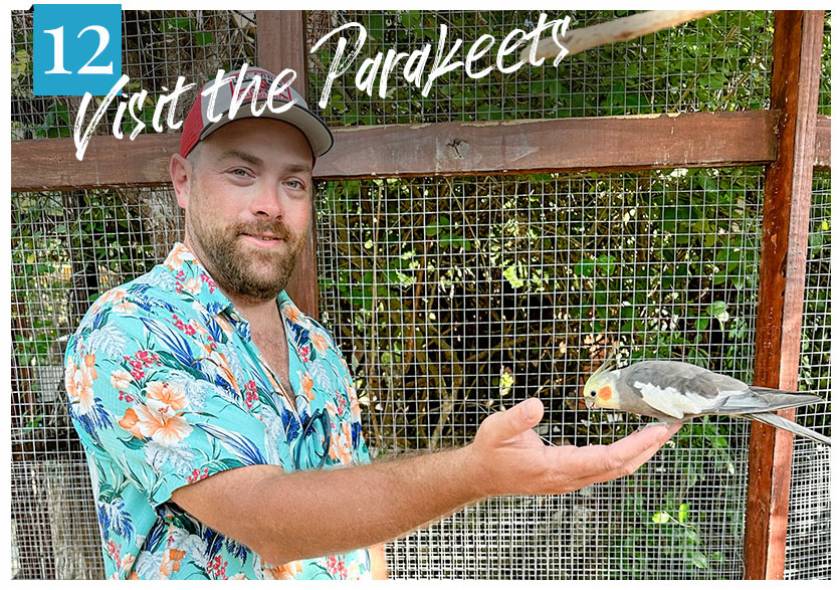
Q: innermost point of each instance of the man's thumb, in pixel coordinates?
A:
(519, 418)
(531, 410)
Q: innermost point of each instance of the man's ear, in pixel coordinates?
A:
(180, 172)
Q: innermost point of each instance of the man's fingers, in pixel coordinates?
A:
(632, 464)
(626, 455)
(516, 420)
(652, 437)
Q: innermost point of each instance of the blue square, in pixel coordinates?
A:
(77, 49)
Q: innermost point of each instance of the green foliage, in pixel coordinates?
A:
(67, 249)
(672, 526)
(825, 68)
(721, 62)
(664, 262)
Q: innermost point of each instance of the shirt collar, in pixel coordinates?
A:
(190, 275)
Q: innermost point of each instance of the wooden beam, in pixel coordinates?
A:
(281, 43)
(633, 142)
(822, 149)
(510, 147)
(797, 47)
(51, 164)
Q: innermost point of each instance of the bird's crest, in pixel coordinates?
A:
(609, 363)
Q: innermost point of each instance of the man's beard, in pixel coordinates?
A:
(234, 265)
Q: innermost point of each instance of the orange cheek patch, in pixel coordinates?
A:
(604, 394)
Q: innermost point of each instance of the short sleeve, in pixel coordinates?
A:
(147, 397)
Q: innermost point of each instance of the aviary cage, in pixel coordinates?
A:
(490, 262)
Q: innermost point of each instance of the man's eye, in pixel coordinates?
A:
(241, 172)
(296, 184)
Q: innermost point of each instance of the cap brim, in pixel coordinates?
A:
(317, 133)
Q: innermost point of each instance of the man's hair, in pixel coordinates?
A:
(194, 154)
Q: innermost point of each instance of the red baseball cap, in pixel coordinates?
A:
(197, 125)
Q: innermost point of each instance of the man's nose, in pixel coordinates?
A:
(268, 201)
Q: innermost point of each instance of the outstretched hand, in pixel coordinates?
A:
(513, 459)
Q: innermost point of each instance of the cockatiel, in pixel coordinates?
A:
(671, 390)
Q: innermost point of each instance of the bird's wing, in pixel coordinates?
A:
(667, 400)
(677, 389)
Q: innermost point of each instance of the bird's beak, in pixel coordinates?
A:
(590, 404)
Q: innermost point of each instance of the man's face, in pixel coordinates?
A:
(249, 206)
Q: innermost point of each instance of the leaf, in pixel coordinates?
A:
(605, 264)
(691, 535)
(682, 516)
(511, 273)
(449, 240)
(376, 26)
(717, 309)
(441, 222)
(133, 443)
(398, 278)
(350, 118)
(505, 383)
(585, 268)
(108, 340)
(699, 560)
(203, 38)
(175, 24)
(412, 20)
(661, 518)
(243, 448)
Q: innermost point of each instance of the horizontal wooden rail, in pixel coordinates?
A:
(657, 141)
(500, 147)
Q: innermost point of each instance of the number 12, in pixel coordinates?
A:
(58, 51)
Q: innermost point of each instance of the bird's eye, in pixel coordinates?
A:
(592, 393)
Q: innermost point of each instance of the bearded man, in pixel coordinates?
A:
(220, 423)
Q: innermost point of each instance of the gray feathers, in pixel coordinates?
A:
(785, 424)
(676, 390)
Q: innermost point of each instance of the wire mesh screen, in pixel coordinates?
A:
(824, 107)
(809, 521)
(717, 63)
(455, 298)
(158, 46)
(67, 248)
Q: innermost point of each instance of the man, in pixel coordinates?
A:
(221, 424)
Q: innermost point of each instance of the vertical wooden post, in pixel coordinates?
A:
(281, 43)
(797, 46)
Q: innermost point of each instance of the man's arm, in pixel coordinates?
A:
(291, 516)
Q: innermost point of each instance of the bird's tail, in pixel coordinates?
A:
(779, 399)
(785, 424)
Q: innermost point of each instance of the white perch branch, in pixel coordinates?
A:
(620, 29)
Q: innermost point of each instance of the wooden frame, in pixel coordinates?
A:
(285, 47)
(790, 138)
(797, 48)
(509, 147)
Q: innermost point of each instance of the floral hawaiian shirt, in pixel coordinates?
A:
(166, 387)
